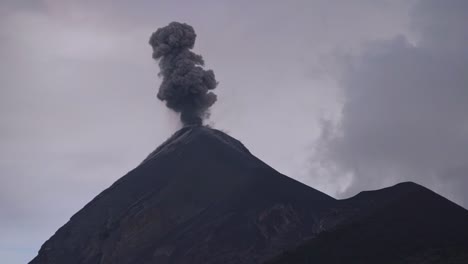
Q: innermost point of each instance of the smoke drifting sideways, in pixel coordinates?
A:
(186, 87)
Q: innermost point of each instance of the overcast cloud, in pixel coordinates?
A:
(79, 108)
(404, 116)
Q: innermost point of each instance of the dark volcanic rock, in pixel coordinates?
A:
(200, 197)
(406, 223)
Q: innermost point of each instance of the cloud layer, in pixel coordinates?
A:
(404, 116)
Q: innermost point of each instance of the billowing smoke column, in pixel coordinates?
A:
(186, 86)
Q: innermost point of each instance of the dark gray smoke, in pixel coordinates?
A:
(186, 85)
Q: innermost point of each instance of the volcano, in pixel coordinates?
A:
(202, 197)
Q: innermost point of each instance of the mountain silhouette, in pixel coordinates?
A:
(202, 197)
(405, 223)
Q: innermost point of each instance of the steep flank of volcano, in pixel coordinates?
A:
(406, 223)
(201, 197)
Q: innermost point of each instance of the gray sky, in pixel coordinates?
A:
(342, 95)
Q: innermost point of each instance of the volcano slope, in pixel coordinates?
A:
(406, 223)
(202, 197)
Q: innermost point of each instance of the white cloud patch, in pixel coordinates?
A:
(404, 116)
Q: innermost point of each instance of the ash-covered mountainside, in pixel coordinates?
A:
(201, 197)
(403, 224)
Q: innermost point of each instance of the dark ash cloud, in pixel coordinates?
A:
(405, 108)
(186, 86)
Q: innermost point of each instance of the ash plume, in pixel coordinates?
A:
(186, 86)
